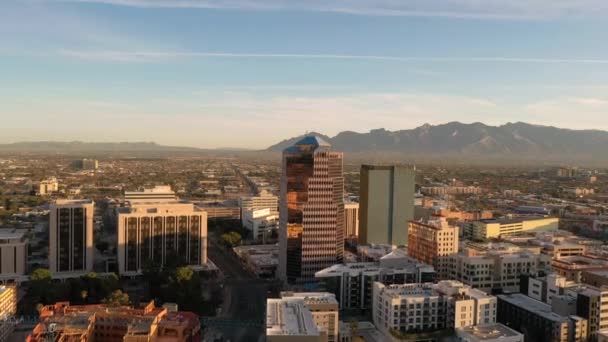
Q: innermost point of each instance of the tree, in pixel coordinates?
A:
(41, 274)
(231, 239)
(183, 274)
(117, 298)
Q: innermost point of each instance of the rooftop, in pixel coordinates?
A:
(517, 219)
(488, 332)
(310, 143)
(532, 305)
(289, 317)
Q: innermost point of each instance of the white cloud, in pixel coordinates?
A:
(160, 56)
(482, 9)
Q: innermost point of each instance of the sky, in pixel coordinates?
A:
(249, 73)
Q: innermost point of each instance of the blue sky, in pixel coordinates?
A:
(242, 73)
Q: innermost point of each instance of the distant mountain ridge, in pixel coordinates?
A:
(79, 146)
(512, 140)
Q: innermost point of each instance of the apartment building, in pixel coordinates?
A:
(324, 309)
(537, 320)
(496, 266)
(422, 307)
(352, 283)
(289, 320)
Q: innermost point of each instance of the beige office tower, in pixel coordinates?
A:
(71, 236)
(311, 228)
(386, 203)
(161, 233)
(433, 242)
(351, 220)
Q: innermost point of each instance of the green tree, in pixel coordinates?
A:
(117, 298)
(41, 274)
(183, 274)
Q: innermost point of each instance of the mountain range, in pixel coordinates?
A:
(512, 140)
(450, 141)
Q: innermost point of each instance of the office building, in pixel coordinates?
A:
(496, 228)
(450, 190)
(386, 204)
(352, 283)
(311, 233)
(351, 220)
(537, 320)
(86, 164)
(48, 186)
(489, 333)
(159, 193)
(160, 233)
(432, 242)
(13, 255)
(265, 200)
(71, 236)
(324, 309)
(260, 222)
(82, 323)
(8, 311)
(448, 304)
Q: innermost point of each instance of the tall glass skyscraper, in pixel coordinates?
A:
(311, 231)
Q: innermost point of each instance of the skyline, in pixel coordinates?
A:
(248, 74)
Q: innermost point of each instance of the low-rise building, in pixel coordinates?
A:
(495, 228)
(81, 323)
(352, 283)
(47, 186)
(429, 307)
(489, 333)
(261, 260)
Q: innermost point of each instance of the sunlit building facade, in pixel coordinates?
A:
(311, 230)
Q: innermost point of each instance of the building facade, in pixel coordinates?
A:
(433, 242)
(71, 236)
(324, 309)
(161, 233)
(351, 220)
(8, 311)
(352, 283)
(13, 255)
(428, 307)
(495, 228)
(48, 186)
(311, 230)
(386, 203)
(83, 323)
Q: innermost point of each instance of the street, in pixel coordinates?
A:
(243, 310)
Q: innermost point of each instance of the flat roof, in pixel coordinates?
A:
(532, 305)
(489, 332)
(516, 220)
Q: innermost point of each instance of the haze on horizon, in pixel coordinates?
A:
(238, 73)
